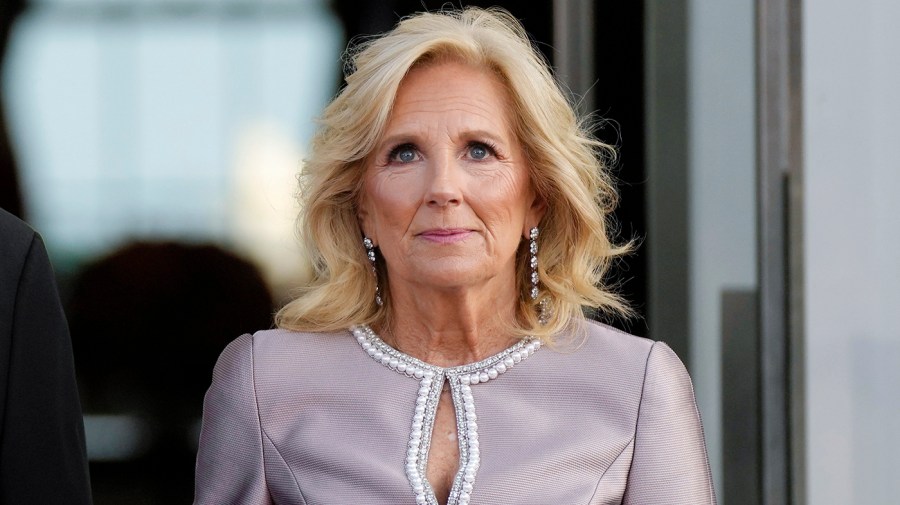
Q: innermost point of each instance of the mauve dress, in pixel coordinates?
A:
(342, 418)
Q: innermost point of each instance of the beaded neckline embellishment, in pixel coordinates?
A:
(431, 379)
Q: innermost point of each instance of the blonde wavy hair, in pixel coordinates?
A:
(568, 168)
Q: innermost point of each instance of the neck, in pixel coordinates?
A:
(451, 327)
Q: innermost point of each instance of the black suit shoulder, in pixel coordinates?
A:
(42, 450)
(16, 239)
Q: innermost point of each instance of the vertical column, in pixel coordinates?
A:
(780, 244)
(573, 37)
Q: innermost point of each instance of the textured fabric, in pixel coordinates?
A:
(295, 418)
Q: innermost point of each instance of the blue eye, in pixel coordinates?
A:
(405, 153)
(479, 151)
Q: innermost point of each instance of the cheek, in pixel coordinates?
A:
(505, 200)
(391, 200)
(512, 190)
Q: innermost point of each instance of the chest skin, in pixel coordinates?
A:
(443, 456)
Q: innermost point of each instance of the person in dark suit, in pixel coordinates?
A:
(43, 458)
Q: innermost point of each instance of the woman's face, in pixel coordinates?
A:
(447, 195)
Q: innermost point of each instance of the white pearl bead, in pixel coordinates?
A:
(426, 402)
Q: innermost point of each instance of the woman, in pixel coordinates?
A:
(455, 213)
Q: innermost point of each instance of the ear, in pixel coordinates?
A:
(535, 213)
(363, 217)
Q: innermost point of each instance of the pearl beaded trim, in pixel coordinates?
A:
(431, 379)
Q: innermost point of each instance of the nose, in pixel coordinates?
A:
(444, 184)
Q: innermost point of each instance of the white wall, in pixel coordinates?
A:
(852, 250)
(722, 205)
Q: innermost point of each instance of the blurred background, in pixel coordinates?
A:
(155, 144)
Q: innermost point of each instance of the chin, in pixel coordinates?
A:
(452, 277)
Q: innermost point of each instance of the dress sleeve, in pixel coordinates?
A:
(230, 469)
(670, 464)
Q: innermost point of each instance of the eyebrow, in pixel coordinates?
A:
(469, 135)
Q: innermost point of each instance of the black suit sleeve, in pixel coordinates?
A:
(42, 449)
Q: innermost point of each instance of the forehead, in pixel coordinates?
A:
(455, 92)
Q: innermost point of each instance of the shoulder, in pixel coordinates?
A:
(277, 373)
(601, 345)
(652, 366)
(611, 357)
(16, 240)
(280, 344)
(605, 338)
(25, 270)
(601, 339)
(13, 227)
(268, 351)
